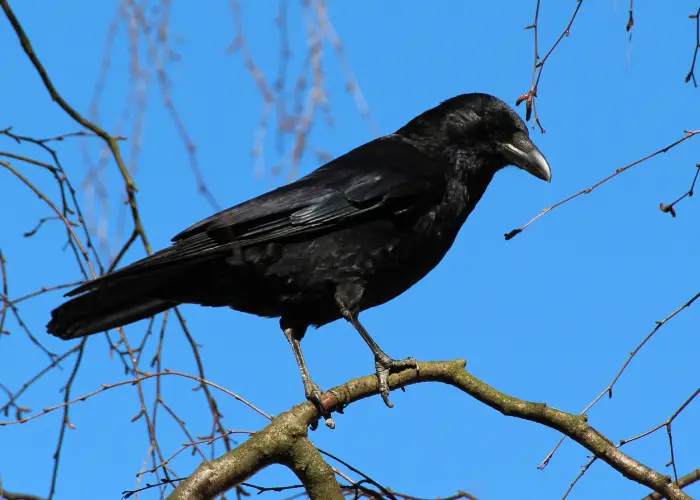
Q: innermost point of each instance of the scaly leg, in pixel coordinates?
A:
(312, 391)
(384, 364)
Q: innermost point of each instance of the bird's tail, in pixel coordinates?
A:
(140, 290)
(104, 308)
(136, 292)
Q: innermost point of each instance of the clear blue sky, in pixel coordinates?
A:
(549, 316)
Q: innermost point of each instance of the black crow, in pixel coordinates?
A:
(351, 235)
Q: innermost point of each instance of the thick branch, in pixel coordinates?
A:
(687, 480)
(312, 470)
(8, 495)
(283, 442)
(275, 443)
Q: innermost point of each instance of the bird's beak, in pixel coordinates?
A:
(520, 151)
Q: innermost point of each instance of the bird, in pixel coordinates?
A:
(351, 235)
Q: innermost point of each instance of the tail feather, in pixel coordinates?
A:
(107, 307)
(138, 291)
(85, 315)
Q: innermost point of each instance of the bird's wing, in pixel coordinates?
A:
(380, 179)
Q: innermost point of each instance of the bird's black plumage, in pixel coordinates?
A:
(351, 235)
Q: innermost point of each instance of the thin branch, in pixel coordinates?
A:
(688, 135)
(5, 292)
(457, 496)
(141, 377)
(43, 290)
(365, 476)
(65, 422)
(161, 35)
(193, 443)
(609, 389)
(669, 208)
(666, 424)
(111, 141)
(584, 469)
(630, 20)
(691, 73)
(530, 96)
(13, 396)
(64, 184)
(131, 201)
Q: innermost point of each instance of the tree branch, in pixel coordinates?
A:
(279, 441)
(687, 135)
(8, 495)
(56, 97)
(283, 442)
(687, 480)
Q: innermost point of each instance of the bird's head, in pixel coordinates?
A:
(481, 125)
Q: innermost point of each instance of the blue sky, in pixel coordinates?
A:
(548, 316)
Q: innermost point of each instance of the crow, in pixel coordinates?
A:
(351, 235)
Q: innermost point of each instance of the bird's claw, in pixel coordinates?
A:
(314, 394)
(386, 365)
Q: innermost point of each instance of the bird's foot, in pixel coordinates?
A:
(384, 366)
(314, 394)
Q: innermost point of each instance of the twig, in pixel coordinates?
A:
(630, 20)
(688, 135)
(193, 443)
(530, 96)
(111, 141)
(608, 390)
(142, 377)
(65, 422)
(130, 493)
(162, 77)
(667, 425)
(365, 476)
(64, 184)
(43, 290)
(584, 469)
(13, 396)
(669, 208)
(5, 292)
(691, 73)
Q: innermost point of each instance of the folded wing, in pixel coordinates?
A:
(380, 179)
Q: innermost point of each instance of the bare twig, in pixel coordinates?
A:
(669, 208)
(691, 73)
(65, 422)
(141, 377)
(584, 469)
(530, 97)
(13, 396)
(630, 20)
(609, 389)
(666, 424)
(111, 141)
(688, 135)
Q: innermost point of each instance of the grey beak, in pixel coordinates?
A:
(524, 154)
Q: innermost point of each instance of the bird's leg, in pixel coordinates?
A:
(312, 391)
(382, 362)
